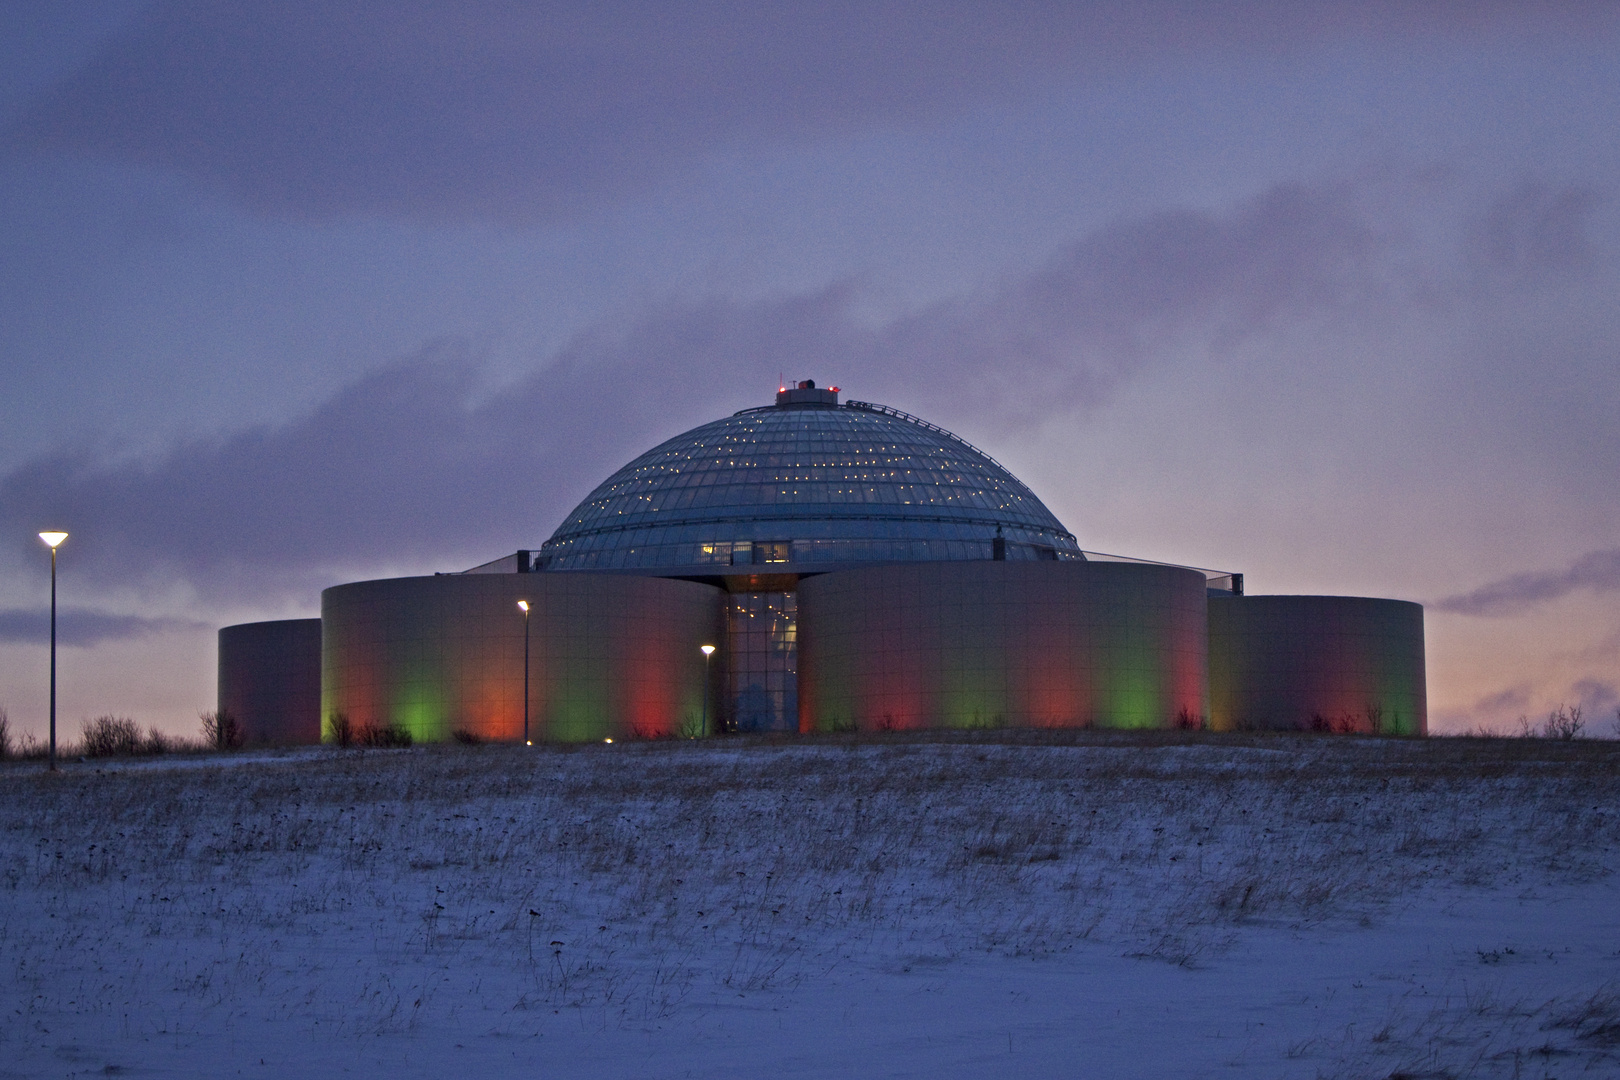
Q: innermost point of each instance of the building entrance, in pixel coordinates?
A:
(764, 662)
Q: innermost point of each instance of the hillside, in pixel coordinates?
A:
(1094, 904)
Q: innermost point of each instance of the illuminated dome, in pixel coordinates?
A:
(807, 480)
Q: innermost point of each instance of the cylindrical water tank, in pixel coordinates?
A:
(610, 655)
(1323, 663)
(270, 679)
(990, 644)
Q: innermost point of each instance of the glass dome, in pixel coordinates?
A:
(806, 481)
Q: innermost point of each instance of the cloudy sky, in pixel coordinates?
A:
(302, 293)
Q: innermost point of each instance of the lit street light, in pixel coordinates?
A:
(708, 654)
(524, 604)
(53, 540)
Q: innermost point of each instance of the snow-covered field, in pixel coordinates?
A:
(1159, 906)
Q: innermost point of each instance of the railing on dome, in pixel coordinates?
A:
(1224, 580)
(1219, 580)
(506, 564)
(870, 406)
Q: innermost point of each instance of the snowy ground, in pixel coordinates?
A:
(1170, 906)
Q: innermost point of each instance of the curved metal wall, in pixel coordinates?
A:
(1027, 644)
(270, 679)
(1325, 663)
(609, 655)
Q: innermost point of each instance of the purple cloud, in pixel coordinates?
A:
(417, 463)
(1061, 337)
(504, 109)
(1515, 699)
(83, 626)
(1599, 700)
(514, 111)
(1538, 228)
(1598, 571)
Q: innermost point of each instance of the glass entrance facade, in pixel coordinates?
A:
(763, 674)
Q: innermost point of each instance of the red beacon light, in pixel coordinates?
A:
(806, 392)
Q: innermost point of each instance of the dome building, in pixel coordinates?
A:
(853, 568)
(806, 481)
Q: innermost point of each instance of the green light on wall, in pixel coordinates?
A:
(424, 719)
(421, 706)
(1135, 701)
(580, 720)
(1133, 693)
(970, 700)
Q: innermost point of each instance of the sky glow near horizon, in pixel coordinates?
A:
(1319, 293)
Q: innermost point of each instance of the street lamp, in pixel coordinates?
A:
(708, 654)
(524, 604)
(53, 540)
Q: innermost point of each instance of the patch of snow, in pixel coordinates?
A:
(1314, 908)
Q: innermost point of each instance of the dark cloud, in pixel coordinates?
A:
(512, 110)
(1062, 336)
(1598, 571)
(83, 626)
(1515, 699)
(1537, 227)
(416, 462)
(505, 109)
(419, 462)
(1598, 700)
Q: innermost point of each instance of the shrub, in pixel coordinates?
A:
(5, 735)
(466, 737)
(1564, 722)
(385, 736)
(341, 729)
(650, 733)
(111, 736)
(981, 722)
(221, 730)
(1187, 720)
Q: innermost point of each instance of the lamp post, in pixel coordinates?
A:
(524, 604)
(53, 540)
(708, 654)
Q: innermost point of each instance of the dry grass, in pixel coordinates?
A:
(626, 879)
(1481, 1036)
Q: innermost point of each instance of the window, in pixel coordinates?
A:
(772, 551)
(764, 655)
